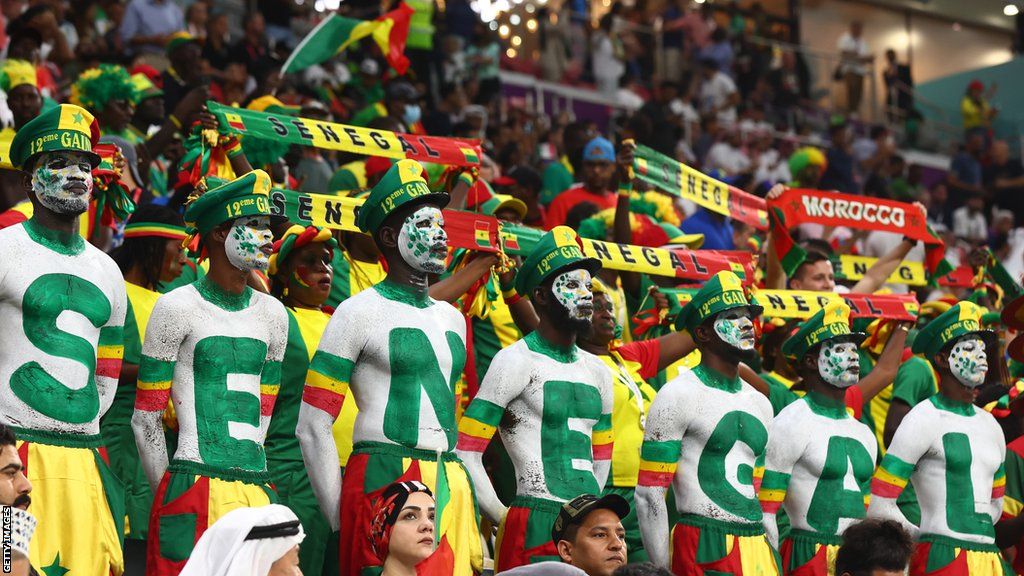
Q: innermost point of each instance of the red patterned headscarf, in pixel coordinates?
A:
(385, 513)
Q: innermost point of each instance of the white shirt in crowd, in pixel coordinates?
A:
(727, 158)
(772, 167)
(714, 93)
(968, 225)
(857, 46)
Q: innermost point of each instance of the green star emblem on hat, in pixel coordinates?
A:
(402, 184)
(62, 128)
(557, 251)
(722, 292)
(960, 320)
(831, 322)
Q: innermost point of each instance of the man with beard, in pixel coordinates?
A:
(953, 452)
(550, 401)
(401, 352)
(705, 431)
(806, 467)
(14, 492)
(63, 302)
(215, 346)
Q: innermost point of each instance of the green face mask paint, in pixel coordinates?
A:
(422, 241)
(572, 290)
(968, 362)
(735, 328)
(838, 363)
(62, 182)
(249, 242)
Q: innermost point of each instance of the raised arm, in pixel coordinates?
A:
(775, 276)
(659, 457)
(888, 363)
(327, 383)
(270, 376)
(164, 335)
(880, 271)
(503, 382)
(602, 440)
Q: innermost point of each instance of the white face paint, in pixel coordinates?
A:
(422, 241)
(735, 328)
(249, 243)
(968, 361)
(838, 363)
(62, 181)
(572, 289)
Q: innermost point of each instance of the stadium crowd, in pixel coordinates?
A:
(205, 372)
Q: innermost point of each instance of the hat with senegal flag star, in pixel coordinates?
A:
(829, 323)
(962, 319)
(722, 292)
(244, 196)
(558, 250)
(403, 184)
(63, 128)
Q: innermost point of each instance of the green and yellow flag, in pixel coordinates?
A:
(336, 33)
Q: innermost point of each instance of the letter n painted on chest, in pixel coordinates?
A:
(415, 369)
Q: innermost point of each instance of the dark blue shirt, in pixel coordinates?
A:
(717, 230)
(839, 174)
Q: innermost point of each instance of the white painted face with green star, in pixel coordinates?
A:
(572, 289)
(735, 328)
(422, 241)
(62, 181)
(838, 363)
(968, 361)
(250, 243)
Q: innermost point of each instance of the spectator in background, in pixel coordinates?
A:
(1004, 178)
(855, 58)
(554, 36)
(196, 17)
(215, 49)
(597, 179)
(874, 547)
(940, 212)
(899, 88)
(698, 27)
(253, 49)
(964, 176)
(839, 171)
(791, 85)
(976, 110)
(278, 17)
(607, 57)
(659, 112)
(719, 50)
(718, 93)
(483, 58)
(673, 41)
(527, 189)
(148, 24)
(185, 73)
(728, 155)
(710, 130)
(969, 221)
(560, 174)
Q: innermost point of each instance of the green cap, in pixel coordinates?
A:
(962, 319)
(244, 196)
(65, 127)
(558, 250)
(402, 184)
(723, 292)
(831, 322)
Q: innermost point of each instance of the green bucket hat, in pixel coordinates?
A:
(829, 323)
(246, 195)
(557, 251)
(402, 184)
(962, 319)
(723, 292)
(65, 127)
